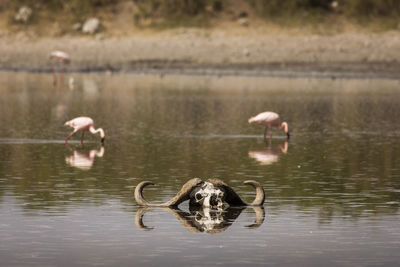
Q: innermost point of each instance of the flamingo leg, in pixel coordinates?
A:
(61, 64)
(54, 74)
(83, 134)
(265, 133)
(71, 134)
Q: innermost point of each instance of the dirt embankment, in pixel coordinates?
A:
(227, 47)
(232, 51)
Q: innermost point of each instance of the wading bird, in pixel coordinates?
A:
(83, 124)
(60, 59)
(270, 119)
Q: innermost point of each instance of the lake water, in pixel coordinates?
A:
(332, 191)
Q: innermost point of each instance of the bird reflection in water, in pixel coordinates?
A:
(205, 219)
(60, 61)
(269, 154)
(83, 159)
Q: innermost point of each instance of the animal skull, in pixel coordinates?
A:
(211, 193)
(209, 196)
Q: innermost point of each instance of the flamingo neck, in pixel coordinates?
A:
(93, 131)
(285, 127)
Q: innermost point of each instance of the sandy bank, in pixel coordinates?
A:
(215, 52)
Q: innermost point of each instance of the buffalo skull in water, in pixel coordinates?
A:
(211, 193)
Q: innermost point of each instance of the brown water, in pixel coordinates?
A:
(332, 197)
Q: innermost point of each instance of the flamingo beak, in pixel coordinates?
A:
(288, 135)
(102, 140)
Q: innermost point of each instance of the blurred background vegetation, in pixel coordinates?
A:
(171, 13)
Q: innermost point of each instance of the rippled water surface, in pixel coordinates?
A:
(332, 191)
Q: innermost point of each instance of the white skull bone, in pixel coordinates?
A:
(209, 195)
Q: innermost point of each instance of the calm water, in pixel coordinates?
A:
(333, 191)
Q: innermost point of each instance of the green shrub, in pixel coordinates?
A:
(358, 8)
(369, 8)
(288, 7)
(173, 13)
(177, 8)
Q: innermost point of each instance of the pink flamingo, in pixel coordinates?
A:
(270, 119)
(60, 58)
(83, 124)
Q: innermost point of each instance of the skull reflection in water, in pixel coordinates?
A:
(209, 219)
(204, 220)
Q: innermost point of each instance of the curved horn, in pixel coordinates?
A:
(260, 194)
(233, 199)
(139, 219)
(139, 194)
(260, 215)
(182, 195)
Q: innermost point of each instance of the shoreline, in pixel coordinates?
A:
(332, 70)
(214, 52)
